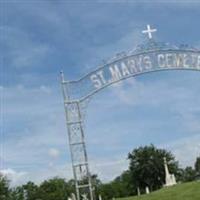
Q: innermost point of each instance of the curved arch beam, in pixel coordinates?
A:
(129, 66)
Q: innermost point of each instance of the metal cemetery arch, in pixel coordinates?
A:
(150, 57)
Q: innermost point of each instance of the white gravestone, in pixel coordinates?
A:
(138, 191)
(73, 197)
(169, 178)
(147, 190)
(100, 198)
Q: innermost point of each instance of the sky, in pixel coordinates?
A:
(40, 38)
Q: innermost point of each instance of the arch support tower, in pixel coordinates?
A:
(74, 119)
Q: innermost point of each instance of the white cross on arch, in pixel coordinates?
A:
(149, 31)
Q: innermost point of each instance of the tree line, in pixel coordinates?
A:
(146, 168)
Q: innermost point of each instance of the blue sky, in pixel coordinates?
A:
(40, 38)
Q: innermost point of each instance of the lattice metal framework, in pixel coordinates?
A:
(74, 111)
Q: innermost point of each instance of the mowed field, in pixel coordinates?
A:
(186, 191)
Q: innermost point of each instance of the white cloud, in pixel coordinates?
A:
(38, 175)
(14, 176)
(109, 168)
(38, 124)
(54, 153)
(176, 95)
(106, 169)
(152, 92)
(181, 99)
(186, 149)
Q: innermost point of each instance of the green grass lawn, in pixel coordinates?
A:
(186, 191)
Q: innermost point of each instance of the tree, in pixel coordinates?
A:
(4, 187)
(106, 191)
(189, 174)
(54, 189)
(71, 186)
(147, 166)
(17, 193)
(123, 185)
(197, 165)
(31, 191)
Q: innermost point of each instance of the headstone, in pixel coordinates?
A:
(73, 196)
(169, 178)
(147, 190)
(100, 198)
(138, 191)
